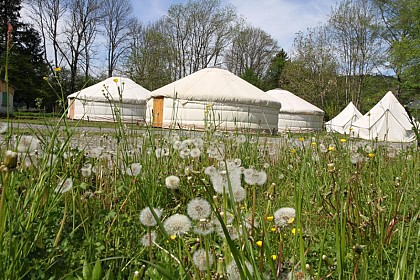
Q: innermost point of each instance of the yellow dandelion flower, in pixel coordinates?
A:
(115, 80)
(343, 140)
(270, 218)
(273, 229)
(57, 69)
(371, 155)
(291, 220)
(293, 151)
(259, 243)
(301, 139)
(172, 237)
(331, 148)
(313, 144)
(274, 257)
(294, 231)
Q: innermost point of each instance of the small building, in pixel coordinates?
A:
(4, 100)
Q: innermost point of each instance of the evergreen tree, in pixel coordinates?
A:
(273, 76)
(26, 65)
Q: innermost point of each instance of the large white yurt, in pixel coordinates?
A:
(386, 121)
(296, 114)
(344, 120)
(215, 97)
(101, 101)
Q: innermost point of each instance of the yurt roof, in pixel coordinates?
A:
(291, 103)
(216, 85)
(108, 90)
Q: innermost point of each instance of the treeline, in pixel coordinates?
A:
(364, 49)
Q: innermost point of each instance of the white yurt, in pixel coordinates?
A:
(212, 97)
(296, 114)
(344, 120)
(100, 101)
(386, 121)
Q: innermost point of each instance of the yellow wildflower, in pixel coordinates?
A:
(343, 140)
(273, 229)
(313, 144)
(301, 139)
(45, 78)
(274, 257)
(115, 80)
(371, 155)
(294, 231)
(291, 220)
(57, 69)
(259, 243)
(270, 218)
(172, 237)
(331, 148)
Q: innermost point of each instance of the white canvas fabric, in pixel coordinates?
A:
(296, 114)
(99, 102)
(344, 120)
(386, 121)
(214, 96)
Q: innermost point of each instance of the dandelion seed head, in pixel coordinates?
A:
(134, 169)
(3, 127)
(148, 240)
(176, 145)
(184, 153)
(172, 182)
(147, 218)
(195, 152)
(177, 224)
(86, 170)
(239, 194)
(198, 142)
(27, 144)
(204, 227)
(198, 208)
(232, 270)
(95, 152)
(240, 139)
(200, 259)
(283, 215)
(64, 186)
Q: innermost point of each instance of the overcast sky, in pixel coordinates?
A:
(282, 19)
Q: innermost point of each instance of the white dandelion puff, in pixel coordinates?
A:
(95, 152)
(86, 170)
(3, 127)
(134, 169)
(204, 227)
(147, 218)
(195, 152)
(64, 186)
(233, 271)
(201, 258)
(27, 144)
(284, 215)
(177, 224)
(148, 239)
(198, 209)
(172, 182)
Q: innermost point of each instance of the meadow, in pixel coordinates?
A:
(170, 204)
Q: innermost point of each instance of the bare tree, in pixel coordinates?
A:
(150, 62)
(79, 34)
(251, 48)
(116, 21)
(200, 30)
(358, 45)
(47, 14)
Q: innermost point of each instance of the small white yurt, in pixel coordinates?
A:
(296, 114)
(386, 121)
(212, 97)
(344, 120)
(101, 101)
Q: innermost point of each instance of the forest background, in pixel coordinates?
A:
(365, 48)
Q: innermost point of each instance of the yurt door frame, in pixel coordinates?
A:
(71, 109)
(158, 102)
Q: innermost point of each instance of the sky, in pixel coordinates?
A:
(282, 19)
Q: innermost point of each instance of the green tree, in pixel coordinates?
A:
(401, 31)
(26, 65)
(275, 71)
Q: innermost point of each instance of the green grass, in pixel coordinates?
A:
(355, 205)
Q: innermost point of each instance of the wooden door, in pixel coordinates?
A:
(158, 111)
(71, 109)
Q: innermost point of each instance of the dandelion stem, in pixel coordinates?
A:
(57, 238)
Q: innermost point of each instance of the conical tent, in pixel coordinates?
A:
(344, 120)
(101, 101)
(296, 114)
(212, 97)
(386, 121)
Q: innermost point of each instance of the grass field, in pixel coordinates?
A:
(153, 204)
